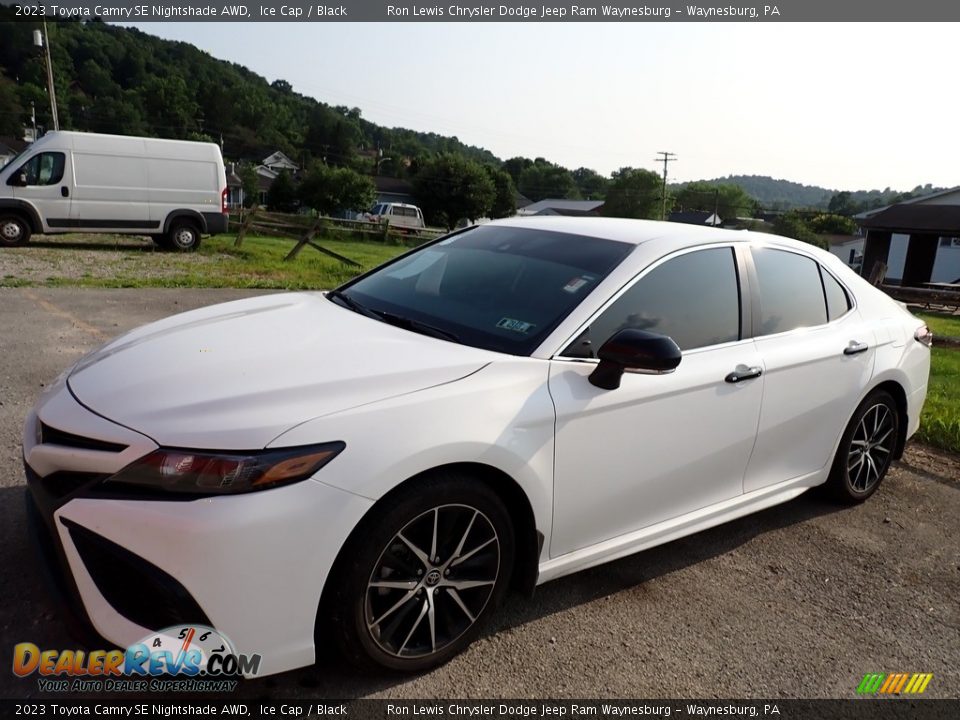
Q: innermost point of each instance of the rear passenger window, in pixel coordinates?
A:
(838, 302)
(693, 298)
(791, 295)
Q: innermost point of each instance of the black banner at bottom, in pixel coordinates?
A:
(854, 709)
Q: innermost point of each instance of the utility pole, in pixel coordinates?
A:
(45, 43)
(666, 158)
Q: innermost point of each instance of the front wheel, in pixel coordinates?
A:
(422, 574)
(14, 230)
(866, 449)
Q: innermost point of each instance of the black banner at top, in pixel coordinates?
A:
(486, 11)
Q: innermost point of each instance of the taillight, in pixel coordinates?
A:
(924, 335)
(223, 201)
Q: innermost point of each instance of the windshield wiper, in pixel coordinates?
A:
(392, 319)
(417, 326)
(352, 304)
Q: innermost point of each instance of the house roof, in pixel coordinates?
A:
(695, 217)
(555, 206)
(394, 185)
(942, 197)
(279, 158)
(916, 218)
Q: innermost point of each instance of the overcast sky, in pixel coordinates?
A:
(846, 106)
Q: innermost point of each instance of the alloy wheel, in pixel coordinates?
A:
(432, 581)
(871, 447)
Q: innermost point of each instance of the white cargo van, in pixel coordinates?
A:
(172, 190)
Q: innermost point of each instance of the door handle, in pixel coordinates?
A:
(855, 347)
(64, 191)
(743, 373)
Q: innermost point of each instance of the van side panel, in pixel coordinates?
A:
(110, 191)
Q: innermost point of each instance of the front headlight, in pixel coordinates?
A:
(223, 473)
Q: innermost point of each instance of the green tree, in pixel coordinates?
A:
(730, 201)
(542, 179)
(330, 190)
(634, 193)
(792, 225)
(282, 195)
(505, 194)
(450, 188)
(515, 166)
(11, 111)
(842, 203)
(591, 184)
(829, 224)
(250, 183)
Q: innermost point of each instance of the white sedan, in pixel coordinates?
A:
(377, 465)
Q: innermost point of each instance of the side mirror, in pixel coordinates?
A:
(19, 179)
(634, 350)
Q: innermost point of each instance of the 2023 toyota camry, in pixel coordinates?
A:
(504, 406)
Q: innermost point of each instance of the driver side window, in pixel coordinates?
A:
(694, 298)
(43, 169)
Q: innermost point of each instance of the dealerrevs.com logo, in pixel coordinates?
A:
(187, 658)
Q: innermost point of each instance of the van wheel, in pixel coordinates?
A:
(14, 230)
(159, 240)
(183, 236)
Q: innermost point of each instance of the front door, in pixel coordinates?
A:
(659, 446)
(47, 176)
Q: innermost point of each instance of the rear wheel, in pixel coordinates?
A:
(422, 575)
(183, 236)
(866, 449)
(14, 230)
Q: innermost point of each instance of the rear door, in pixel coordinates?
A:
(817, 356)
(48, 177)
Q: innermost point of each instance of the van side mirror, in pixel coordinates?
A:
(632, 349)
(19, 179)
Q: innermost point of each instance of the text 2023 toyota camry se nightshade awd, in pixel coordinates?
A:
(506, 405)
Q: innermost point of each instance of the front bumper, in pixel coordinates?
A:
(253, 566)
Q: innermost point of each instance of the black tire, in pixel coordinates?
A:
(430, 614)
(866, 449)
(183, 236)
(160, 241)
(14, 230)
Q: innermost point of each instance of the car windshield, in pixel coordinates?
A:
(493, 287)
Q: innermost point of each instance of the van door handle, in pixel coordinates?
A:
(64, 191)
(855, 347)
(742, 373)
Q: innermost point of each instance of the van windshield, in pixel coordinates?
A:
(14, 159)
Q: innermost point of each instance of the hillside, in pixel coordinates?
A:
(120, 80)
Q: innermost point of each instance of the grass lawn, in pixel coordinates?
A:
(119, 261)
(940, 420)
(941, 324)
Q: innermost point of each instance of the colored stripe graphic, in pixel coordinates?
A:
(894, 683)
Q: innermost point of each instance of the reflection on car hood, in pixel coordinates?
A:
(236, 375)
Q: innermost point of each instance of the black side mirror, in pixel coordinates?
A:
(634, 350)
(19, 179)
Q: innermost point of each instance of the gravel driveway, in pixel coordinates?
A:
(797, 601)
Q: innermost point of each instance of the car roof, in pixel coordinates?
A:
(630, 231)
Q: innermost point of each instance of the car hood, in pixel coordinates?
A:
(237, 375)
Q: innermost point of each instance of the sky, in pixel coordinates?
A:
(842, 105)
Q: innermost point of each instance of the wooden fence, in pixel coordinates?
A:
(305, 228)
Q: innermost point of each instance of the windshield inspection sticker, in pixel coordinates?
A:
(575, 284)
(515, 325)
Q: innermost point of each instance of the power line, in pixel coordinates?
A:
(666, 158)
